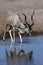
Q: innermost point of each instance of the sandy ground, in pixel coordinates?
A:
(25, 6)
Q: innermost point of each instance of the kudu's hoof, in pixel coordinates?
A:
(29, 55)
(21, 53)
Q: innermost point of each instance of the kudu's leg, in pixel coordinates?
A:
(11, 40)
(14, 37)
(4, 36)
(20, 40)
(14, 43)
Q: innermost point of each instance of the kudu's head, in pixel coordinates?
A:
(29, 26)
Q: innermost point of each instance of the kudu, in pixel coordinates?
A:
(14, 24)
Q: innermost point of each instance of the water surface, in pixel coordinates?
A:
(29, 43)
